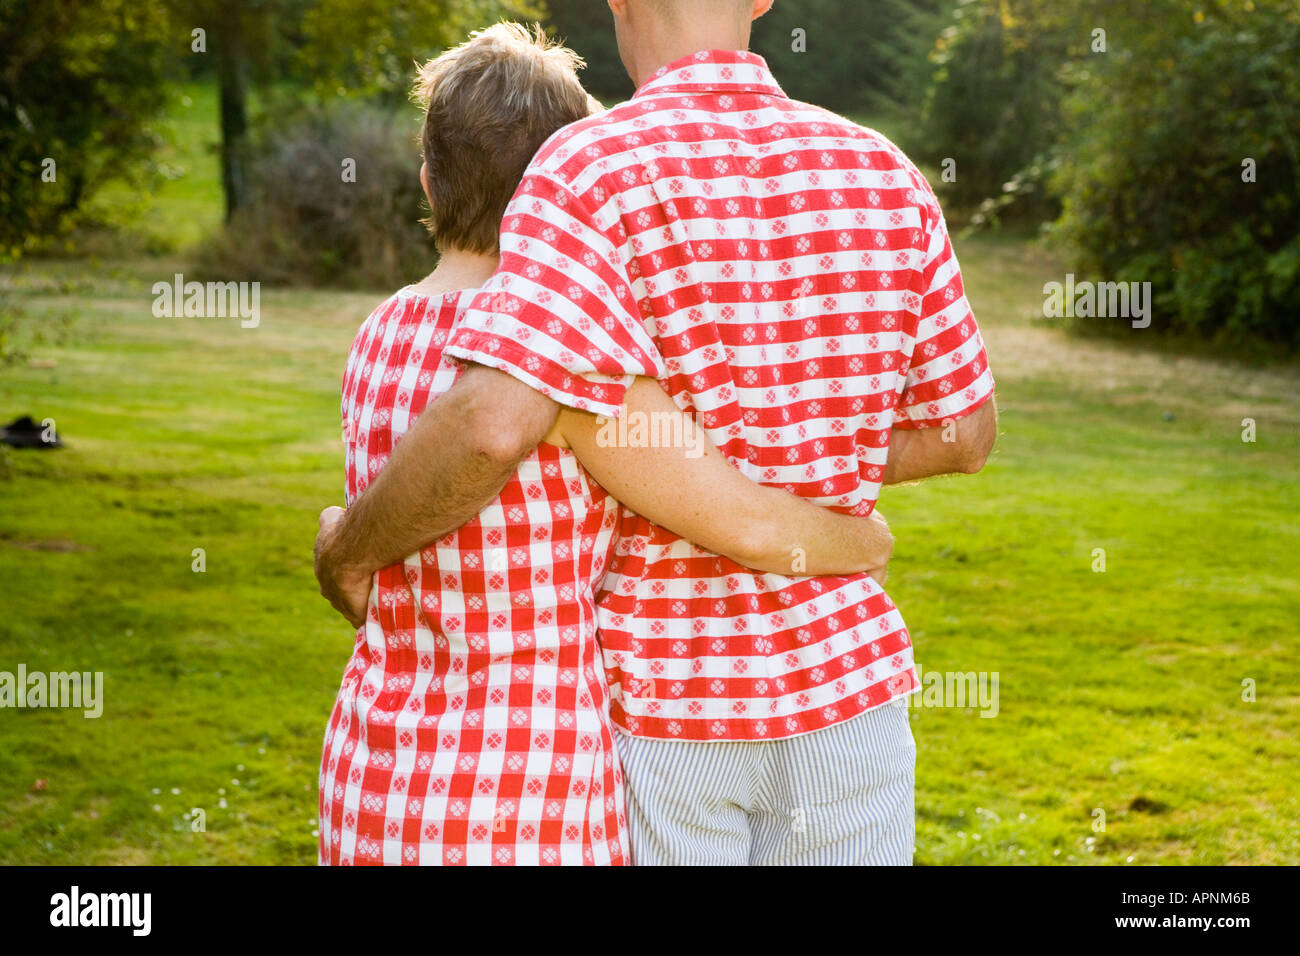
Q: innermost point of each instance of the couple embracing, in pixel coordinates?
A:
(572, 650)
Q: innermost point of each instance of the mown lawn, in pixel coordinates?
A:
(181, 434)
(1120, 692)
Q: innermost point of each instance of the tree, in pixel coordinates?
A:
(339, 48)
(1182, 165)
(368, 47)
(588, 28)
(247, 39)
(847, 55)
(78, 87)
(991, 105)
(850, 55)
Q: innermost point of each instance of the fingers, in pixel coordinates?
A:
(354, 604)
(344, 596)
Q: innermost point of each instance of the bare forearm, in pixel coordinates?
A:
(806, 539)
(454, 460)
(915, 454)
(426, 491)
(693, 491)
(961, 447)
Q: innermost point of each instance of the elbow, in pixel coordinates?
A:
(502, 421)
(500, 446)
(974, 459)
(978, 446)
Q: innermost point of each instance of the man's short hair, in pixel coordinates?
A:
(489, 104)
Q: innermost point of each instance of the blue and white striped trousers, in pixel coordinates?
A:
(839, 796)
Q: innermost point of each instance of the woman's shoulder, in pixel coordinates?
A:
(406, 315)
(414, 303)
(410, 307)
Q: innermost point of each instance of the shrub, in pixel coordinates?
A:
(591, 33)
(1157, 132)
(306, 224)
(857, 55)
(79, 87)
(992, 105)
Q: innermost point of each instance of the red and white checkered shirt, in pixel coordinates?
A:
(472, 723)
(788, 275)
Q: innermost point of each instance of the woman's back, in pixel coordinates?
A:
(471, 724)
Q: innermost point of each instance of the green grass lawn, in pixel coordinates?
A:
(1120, 692)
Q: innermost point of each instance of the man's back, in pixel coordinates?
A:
(792, 271)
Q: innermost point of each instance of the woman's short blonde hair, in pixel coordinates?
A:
(489, 104)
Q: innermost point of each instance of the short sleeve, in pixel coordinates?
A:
(948, 373)
(559, 314)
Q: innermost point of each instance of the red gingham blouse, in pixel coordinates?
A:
(471, 725)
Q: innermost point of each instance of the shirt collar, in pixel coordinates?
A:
(713, 71)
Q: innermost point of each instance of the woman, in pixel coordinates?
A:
(472, 722)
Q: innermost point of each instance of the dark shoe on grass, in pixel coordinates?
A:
(24, 433)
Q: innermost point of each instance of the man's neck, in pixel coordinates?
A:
(671, 47)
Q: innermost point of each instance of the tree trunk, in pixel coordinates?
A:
(232, 73)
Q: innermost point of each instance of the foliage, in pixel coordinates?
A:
(1140, 146)
(79, 86)
(852, 55)
(305, 223)
(1158, 131)
(992, 103)
(369, 47)
(269, 33)
(869, 73)
(591, 33)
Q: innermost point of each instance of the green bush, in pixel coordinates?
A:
(591, 33)
(992, 105)
(305, 224)
(1155, 135)
(79, 87)
(367, 47)
(854, 56)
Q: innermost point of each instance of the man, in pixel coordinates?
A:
(791, 275)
